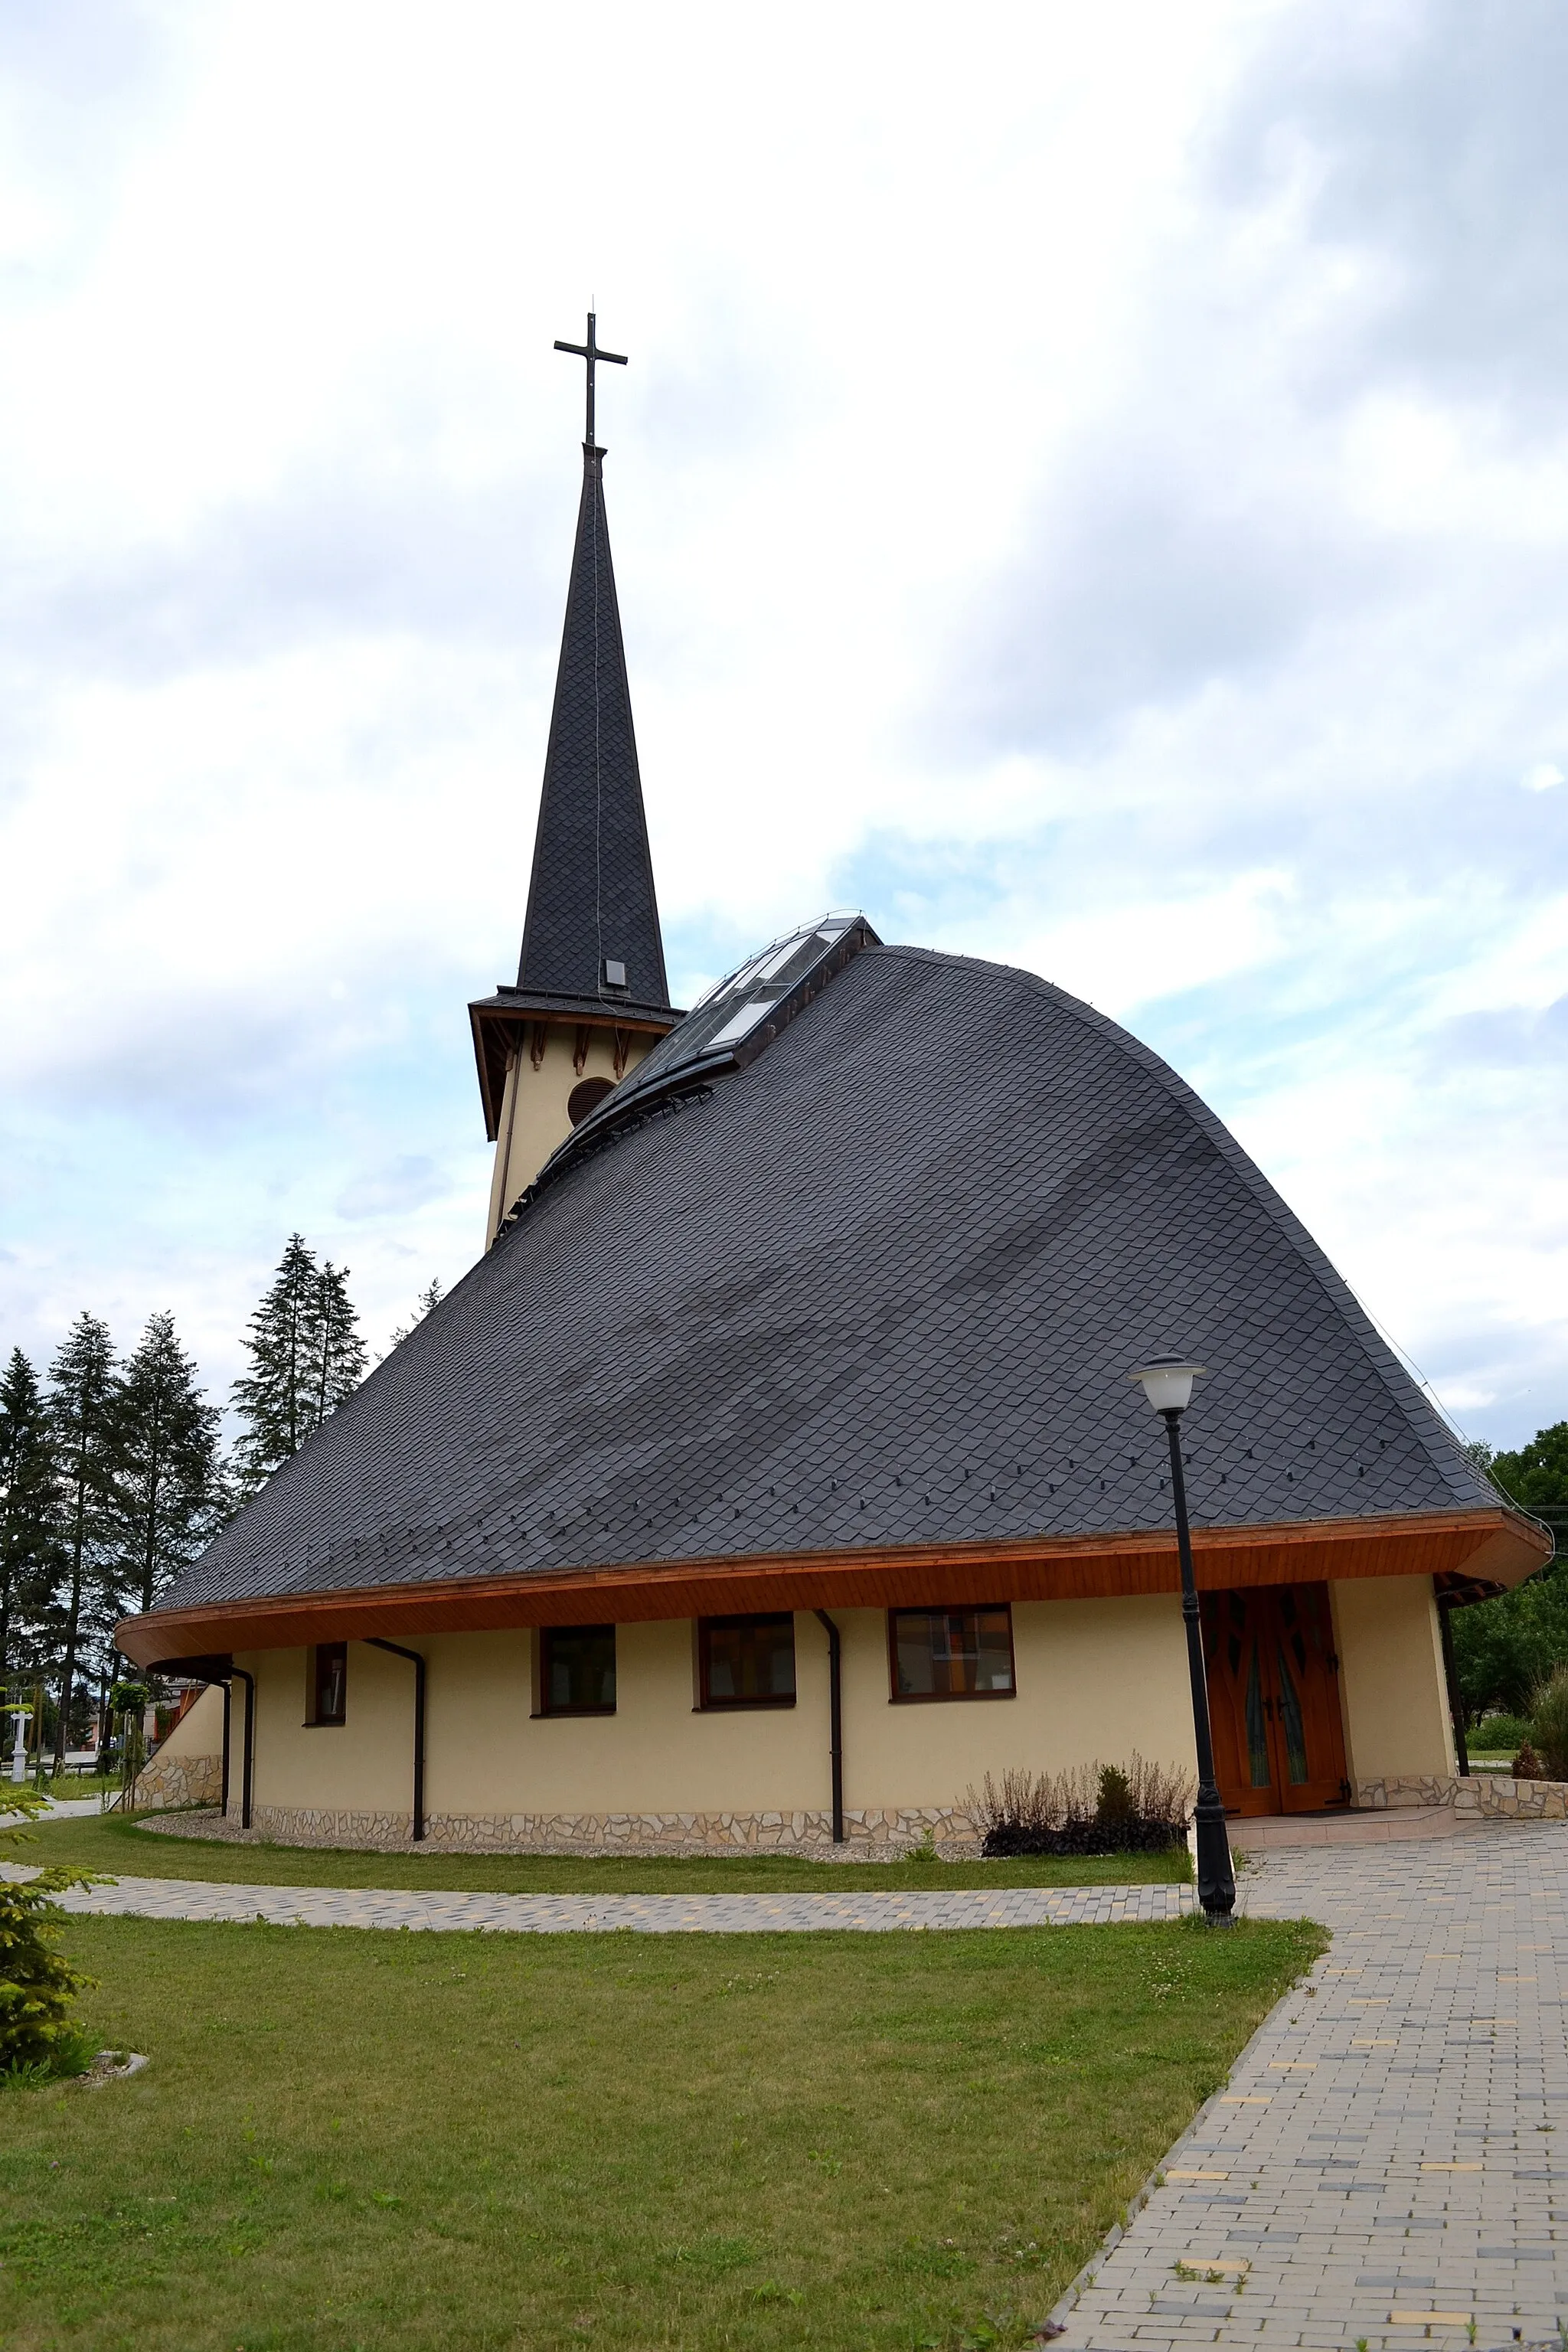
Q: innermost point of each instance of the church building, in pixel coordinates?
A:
(775, 1474)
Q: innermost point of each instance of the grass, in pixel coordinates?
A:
(463, 2143)
(106, 1843)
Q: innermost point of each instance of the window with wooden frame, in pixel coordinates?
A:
(745, 1661)
(326, 1683)
(577, 1670)
(951, 1652)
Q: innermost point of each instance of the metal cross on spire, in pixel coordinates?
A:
(591, 352)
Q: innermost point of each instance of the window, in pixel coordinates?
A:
(951, 1652)
(577, 1670)
(326, 1690)
(746, 1661)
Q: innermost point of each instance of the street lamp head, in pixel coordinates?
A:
(1167, 1381)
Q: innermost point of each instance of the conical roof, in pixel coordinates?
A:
(591, 900)
(877, 1294)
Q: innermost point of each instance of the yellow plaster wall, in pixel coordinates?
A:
(533, 1118)
(199, 1731)
(1096, 1679)
(1391, 1678)
(363, 1765)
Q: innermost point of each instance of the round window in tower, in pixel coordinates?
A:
(587, 1096)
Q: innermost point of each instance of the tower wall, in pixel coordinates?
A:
(535, 1117)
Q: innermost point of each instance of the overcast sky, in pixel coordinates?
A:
(1090, 489)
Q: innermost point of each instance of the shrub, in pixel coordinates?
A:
(39, 2037)
(1499, 1735)
(1091, 1809)
(1526, 1764)
(1549, 1723)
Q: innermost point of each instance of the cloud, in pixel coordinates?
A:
(1104, 516)
(409, 1182)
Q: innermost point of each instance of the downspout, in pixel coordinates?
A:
(417, 1662)
(1451, 1676)
(836, 1719)
(248, 1753)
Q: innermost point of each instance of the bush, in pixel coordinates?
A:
(1549, 1725)
(1092, 1809)
(39, 2037)
(1499, 1735)
(1526, 1764)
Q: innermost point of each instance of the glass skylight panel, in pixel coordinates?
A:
(741, 1025)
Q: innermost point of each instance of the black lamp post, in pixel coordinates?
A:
(1167, 1383)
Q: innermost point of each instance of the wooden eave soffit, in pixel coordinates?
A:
(1497, 1546)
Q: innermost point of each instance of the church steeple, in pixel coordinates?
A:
(592, 928)
(590, 996)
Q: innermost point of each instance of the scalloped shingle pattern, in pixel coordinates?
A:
(884, 1286)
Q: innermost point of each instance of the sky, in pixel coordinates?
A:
(1089, 488)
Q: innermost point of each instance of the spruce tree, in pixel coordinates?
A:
(169, 1487)
(30, 1550)
(429, 1298)
(81, 1409)
(275, 1399)
(306, 1356)
(339, 1350)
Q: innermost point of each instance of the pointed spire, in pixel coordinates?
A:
(592, 929)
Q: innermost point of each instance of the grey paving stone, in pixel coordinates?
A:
(1390, 2075)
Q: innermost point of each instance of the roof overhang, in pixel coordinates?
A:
(1500, 1547)
(500, 1022)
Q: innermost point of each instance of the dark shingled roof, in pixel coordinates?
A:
(592, 896)
(883, 1285)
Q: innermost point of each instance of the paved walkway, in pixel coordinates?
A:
(657, 1914)
(1390, 2157)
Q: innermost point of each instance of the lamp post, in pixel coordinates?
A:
(1167, 1383)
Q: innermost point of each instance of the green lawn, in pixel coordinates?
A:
(106, 1843)
(442, 2143)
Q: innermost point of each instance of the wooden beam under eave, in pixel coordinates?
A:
(1501, 1545)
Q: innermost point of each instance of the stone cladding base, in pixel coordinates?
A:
(170, 1780)
(870, 1836)
(1487, 1796)
(880, 1836)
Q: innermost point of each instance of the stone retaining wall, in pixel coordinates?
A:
(178, 1780)
(1490, 1796)
(869, 1836)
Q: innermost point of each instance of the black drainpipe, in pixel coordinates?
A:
(417, 1662)
(248, 1768)
(835, 1720)
(1451, 1676)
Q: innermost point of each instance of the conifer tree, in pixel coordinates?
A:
(30, 1550)
(306, 1356)
(169, 1488)
(274, 1398)
(81, 1409)
(429, 1298)
(339, 1350)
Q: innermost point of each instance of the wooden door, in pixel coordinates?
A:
(1274, 1698)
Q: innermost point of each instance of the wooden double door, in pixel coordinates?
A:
(1274, 1698)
